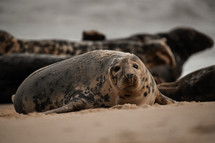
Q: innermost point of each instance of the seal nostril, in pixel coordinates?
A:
(130, 75)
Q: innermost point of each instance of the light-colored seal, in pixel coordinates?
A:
(100, 78)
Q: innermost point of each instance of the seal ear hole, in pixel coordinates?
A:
(135, 66)
(116, 69)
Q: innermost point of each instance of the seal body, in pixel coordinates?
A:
(14, 68)
(166, 56)
(151, 52)
(155, 53)
(196, 86)
(100, 78)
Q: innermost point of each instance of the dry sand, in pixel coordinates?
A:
(181, 122)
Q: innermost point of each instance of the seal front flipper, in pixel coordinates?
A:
(163, 100)
(78, 101)
(71, 106)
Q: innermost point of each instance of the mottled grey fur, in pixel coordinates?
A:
(101, 78)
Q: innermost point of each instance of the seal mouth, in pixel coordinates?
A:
(129, 83)
(132, 87)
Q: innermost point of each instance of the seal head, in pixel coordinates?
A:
(126, 74)
(132, 81)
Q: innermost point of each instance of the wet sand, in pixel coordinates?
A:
(181, 122)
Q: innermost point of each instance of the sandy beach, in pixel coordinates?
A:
(182, 122)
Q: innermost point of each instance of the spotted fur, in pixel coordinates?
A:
(152, 52)
(148, 52)
(101, 78)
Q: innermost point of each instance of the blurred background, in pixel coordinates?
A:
(66, 19)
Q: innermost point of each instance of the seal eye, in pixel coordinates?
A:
(116, 69)
(135, 66)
